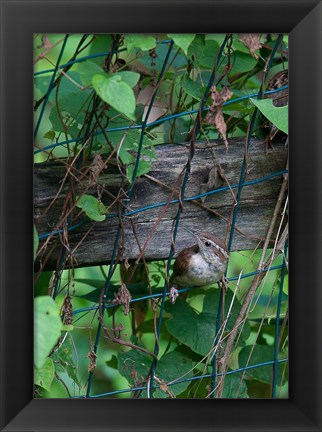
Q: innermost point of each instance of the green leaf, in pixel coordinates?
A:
(50, 135)
(36, 241)
(260, 354)
(95, 283)
(243, 62)
(183, 41)
(66, 86)
(197, 330)
(128, 150)
(102, 43)
(44, 375)
(240, 106)
(209, 54)
(173, 366)
(234, 387)
(239, 46)
(285, 40)
(112, 363)
(143, 168)
(143, 42)
(67, 327)
(87, 69)
(117, 93)
(276, 115)
(193, 89)
(283, 310)
(135, 365)
(64, 362)
(285, 285)
(93, 208)
(219, 38)
(130, 78)
(196, 49)
(175, 60)
(71, 114)
(47, 328)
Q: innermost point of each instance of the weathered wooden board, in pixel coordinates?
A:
(256, 204)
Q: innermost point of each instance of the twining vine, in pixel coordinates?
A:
(109, 110)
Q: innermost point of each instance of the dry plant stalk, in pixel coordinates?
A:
(223, 361)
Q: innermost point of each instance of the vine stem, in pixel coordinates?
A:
(222, 363)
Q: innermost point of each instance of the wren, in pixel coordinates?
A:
(201, 264)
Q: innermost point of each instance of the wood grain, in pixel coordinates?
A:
(255, 210)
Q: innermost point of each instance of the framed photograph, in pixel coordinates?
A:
(175, 152)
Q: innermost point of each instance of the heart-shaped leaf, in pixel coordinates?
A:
(276, 115)
(93, 208)
(143, 42)
(183, 41)
(113, 90)
(47, 328)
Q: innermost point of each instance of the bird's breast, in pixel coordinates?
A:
(199, 272)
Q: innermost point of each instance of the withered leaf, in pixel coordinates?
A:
(215, 115)
(67, 311)
(280, 79)
(92, 358)
(123, 297)
(252, 42)
(97, 166)
(46, 43)
(218, 98)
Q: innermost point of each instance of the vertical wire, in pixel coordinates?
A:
(243, 169)
(177, 217)
(50, 87)
(68, 219)
(278, 314)
(107, 282)
(118, 233)
(236, 209)
(44, 104)
(145, 121)
(188, 167)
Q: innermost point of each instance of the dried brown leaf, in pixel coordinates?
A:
(67, 311)
(92, 359)
(215, 115)
(46, 43)
(164, 387)
(279, 80)
(218, 98)
(252, 42)
(123, 297)
(97, 166)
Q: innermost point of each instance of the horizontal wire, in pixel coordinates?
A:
(130, 213)
(155, 122)
(88, 57)
(79, 60)
(159, 294)
(174, 201)
(195, 378)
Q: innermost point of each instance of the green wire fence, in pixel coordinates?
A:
(151, 384)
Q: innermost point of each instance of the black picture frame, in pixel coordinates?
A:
(19, 20)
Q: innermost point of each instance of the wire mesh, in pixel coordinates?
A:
(151, 385)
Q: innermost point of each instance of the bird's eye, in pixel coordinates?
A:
(207, 243)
